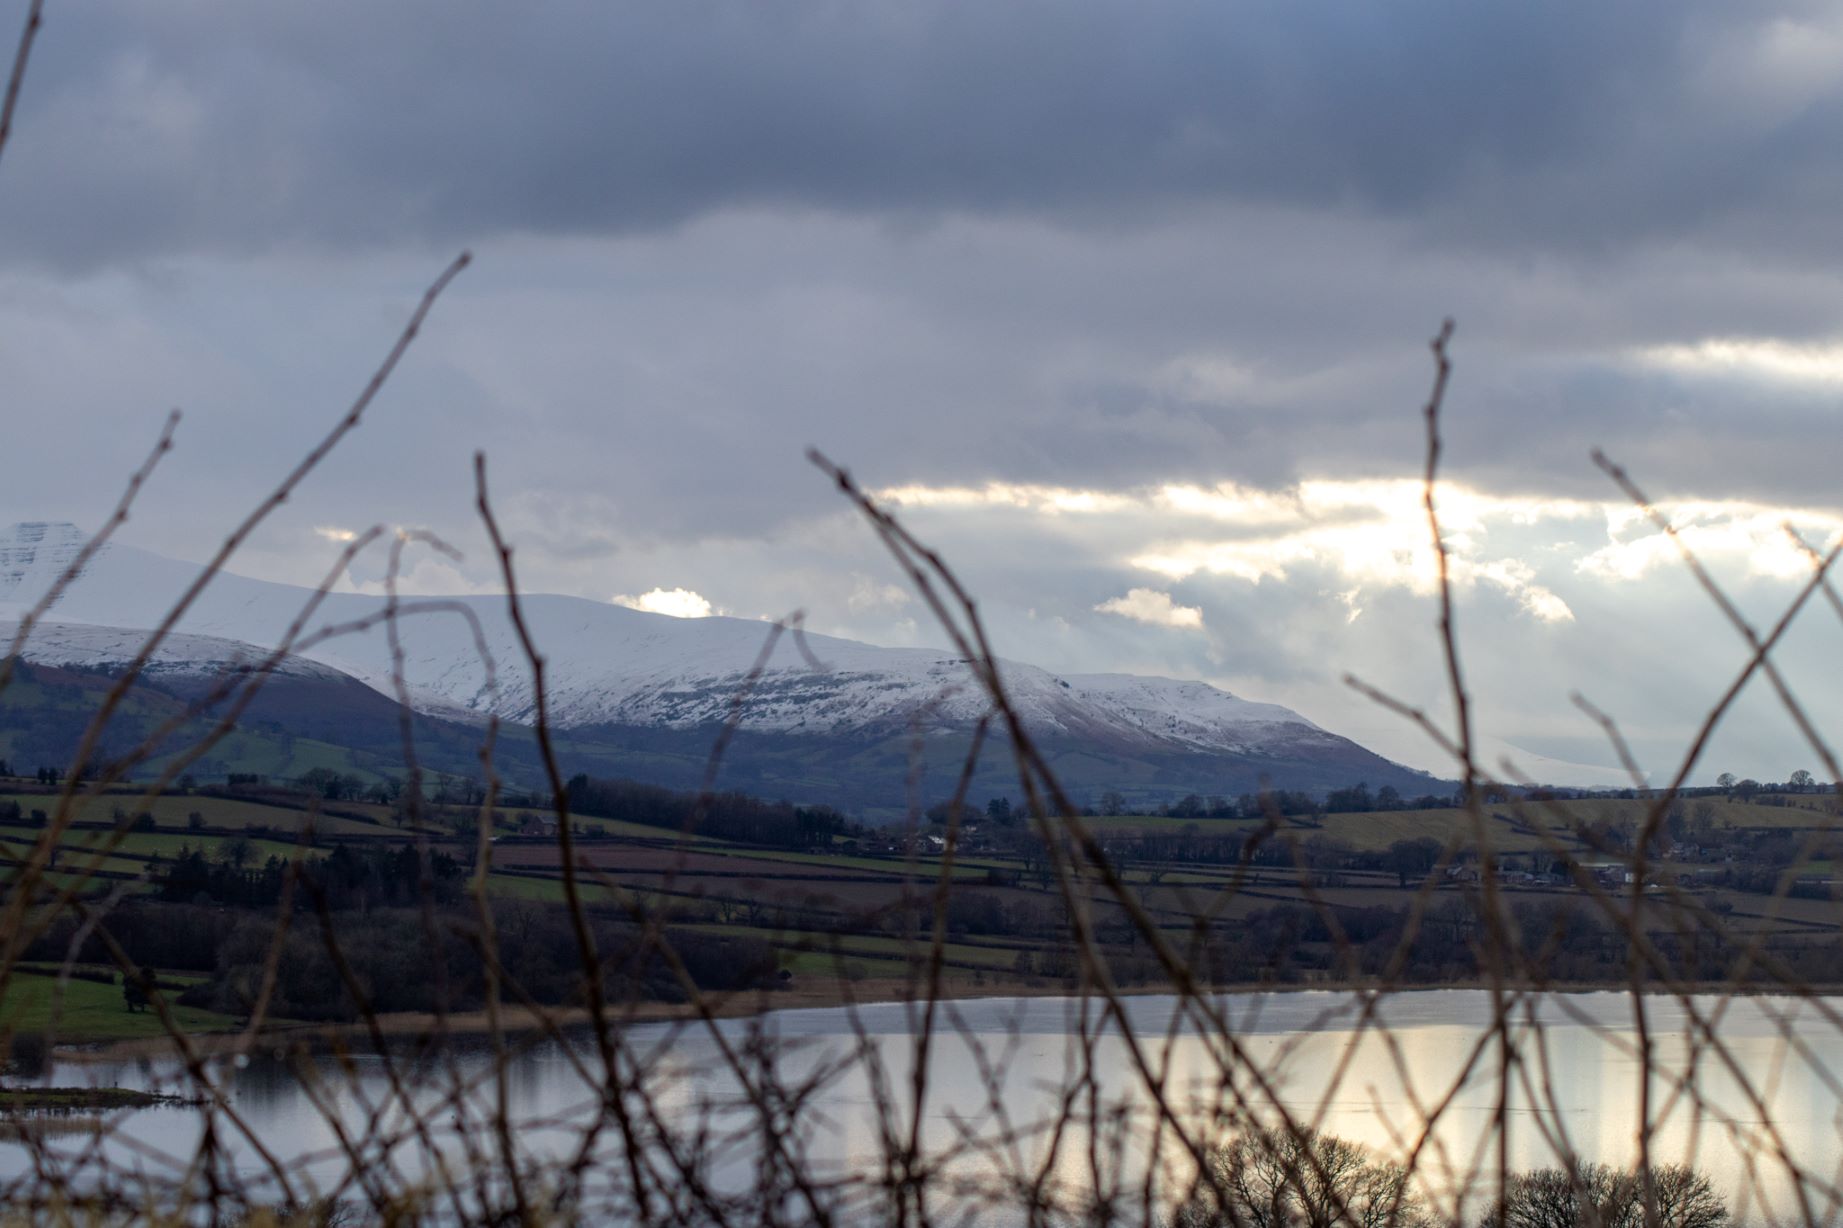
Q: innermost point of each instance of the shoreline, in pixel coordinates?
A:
(518, 1022)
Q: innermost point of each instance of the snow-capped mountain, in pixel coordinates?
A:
(613, 666)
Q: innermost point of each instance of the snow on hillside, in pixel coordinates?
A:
(610, 664)
(32, 556)
(85, 646)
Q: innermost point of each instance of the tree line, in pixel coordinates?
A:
(1280, 1177)
(397, 958)
(728, 816)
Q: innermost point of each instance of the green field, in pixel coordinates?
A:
(620, 827)
(69, 858)
(91, 1011)
(176, 811)
(1159, 824)
(921, 868)
(547, 890)
(241, 751)
(78, 848)
(59, 881)
(1509, 826)
(169, 844)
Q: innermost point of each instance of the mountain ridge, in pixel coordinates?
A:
(613, 668)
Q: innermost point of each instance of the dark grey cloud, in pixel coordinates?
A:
(219, 126)
(662, 389)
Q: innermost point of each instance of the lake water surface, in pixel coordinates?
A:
(1762, 1113)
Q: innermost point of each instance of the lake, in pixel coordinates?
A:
(1762, 1112)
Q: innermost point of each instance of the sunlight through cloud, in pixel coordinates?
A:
(677, 602)
(1758, 357)
(1372, 535)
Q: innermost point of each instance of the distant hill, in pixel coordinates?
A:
(643, 695)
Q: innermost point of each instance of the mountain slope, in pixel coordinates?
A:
(628, 683)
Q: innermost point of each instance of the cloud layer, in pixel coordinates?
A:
(209, 125)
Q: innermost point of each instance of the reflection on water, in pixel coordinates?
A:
(1761, 1112)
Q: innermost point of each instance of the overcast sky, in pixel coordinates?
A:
(1125, 304)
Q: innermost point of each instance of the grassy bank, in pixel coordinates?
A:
(80, 1099)
(82, 1011)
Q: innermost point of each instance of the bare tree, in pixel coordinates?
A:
(1296, 1177)
(1602, 1196)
